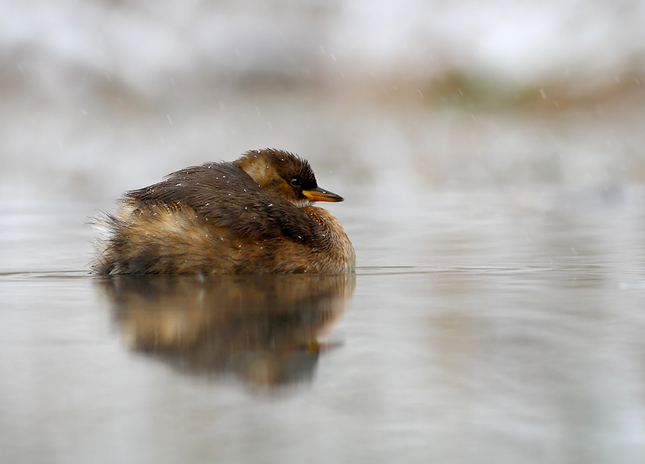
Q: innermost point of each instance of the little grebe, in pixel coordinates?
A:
(253, 215)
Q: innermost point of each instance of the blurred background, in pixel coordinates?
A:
(104, 96)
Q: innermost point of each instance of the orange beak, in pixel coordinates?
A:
(319, 194)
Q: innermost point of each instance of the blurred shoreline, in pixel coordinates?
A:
(107, 97)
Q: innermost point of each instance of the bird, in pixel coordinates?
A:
(254, 215)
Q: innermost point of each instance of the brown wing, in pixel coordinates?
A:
(222, 195)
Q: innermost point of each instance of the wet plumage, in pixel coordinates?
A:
(254, 215)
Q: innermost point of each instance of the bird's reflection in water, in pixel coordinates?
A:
(264, 328)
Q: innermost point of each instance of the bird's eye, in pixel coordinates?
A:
(295, 182)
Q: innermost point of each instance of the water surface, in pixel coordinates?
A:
(484, 326)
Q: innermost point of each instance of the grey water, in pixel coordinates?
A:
(487, 326)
